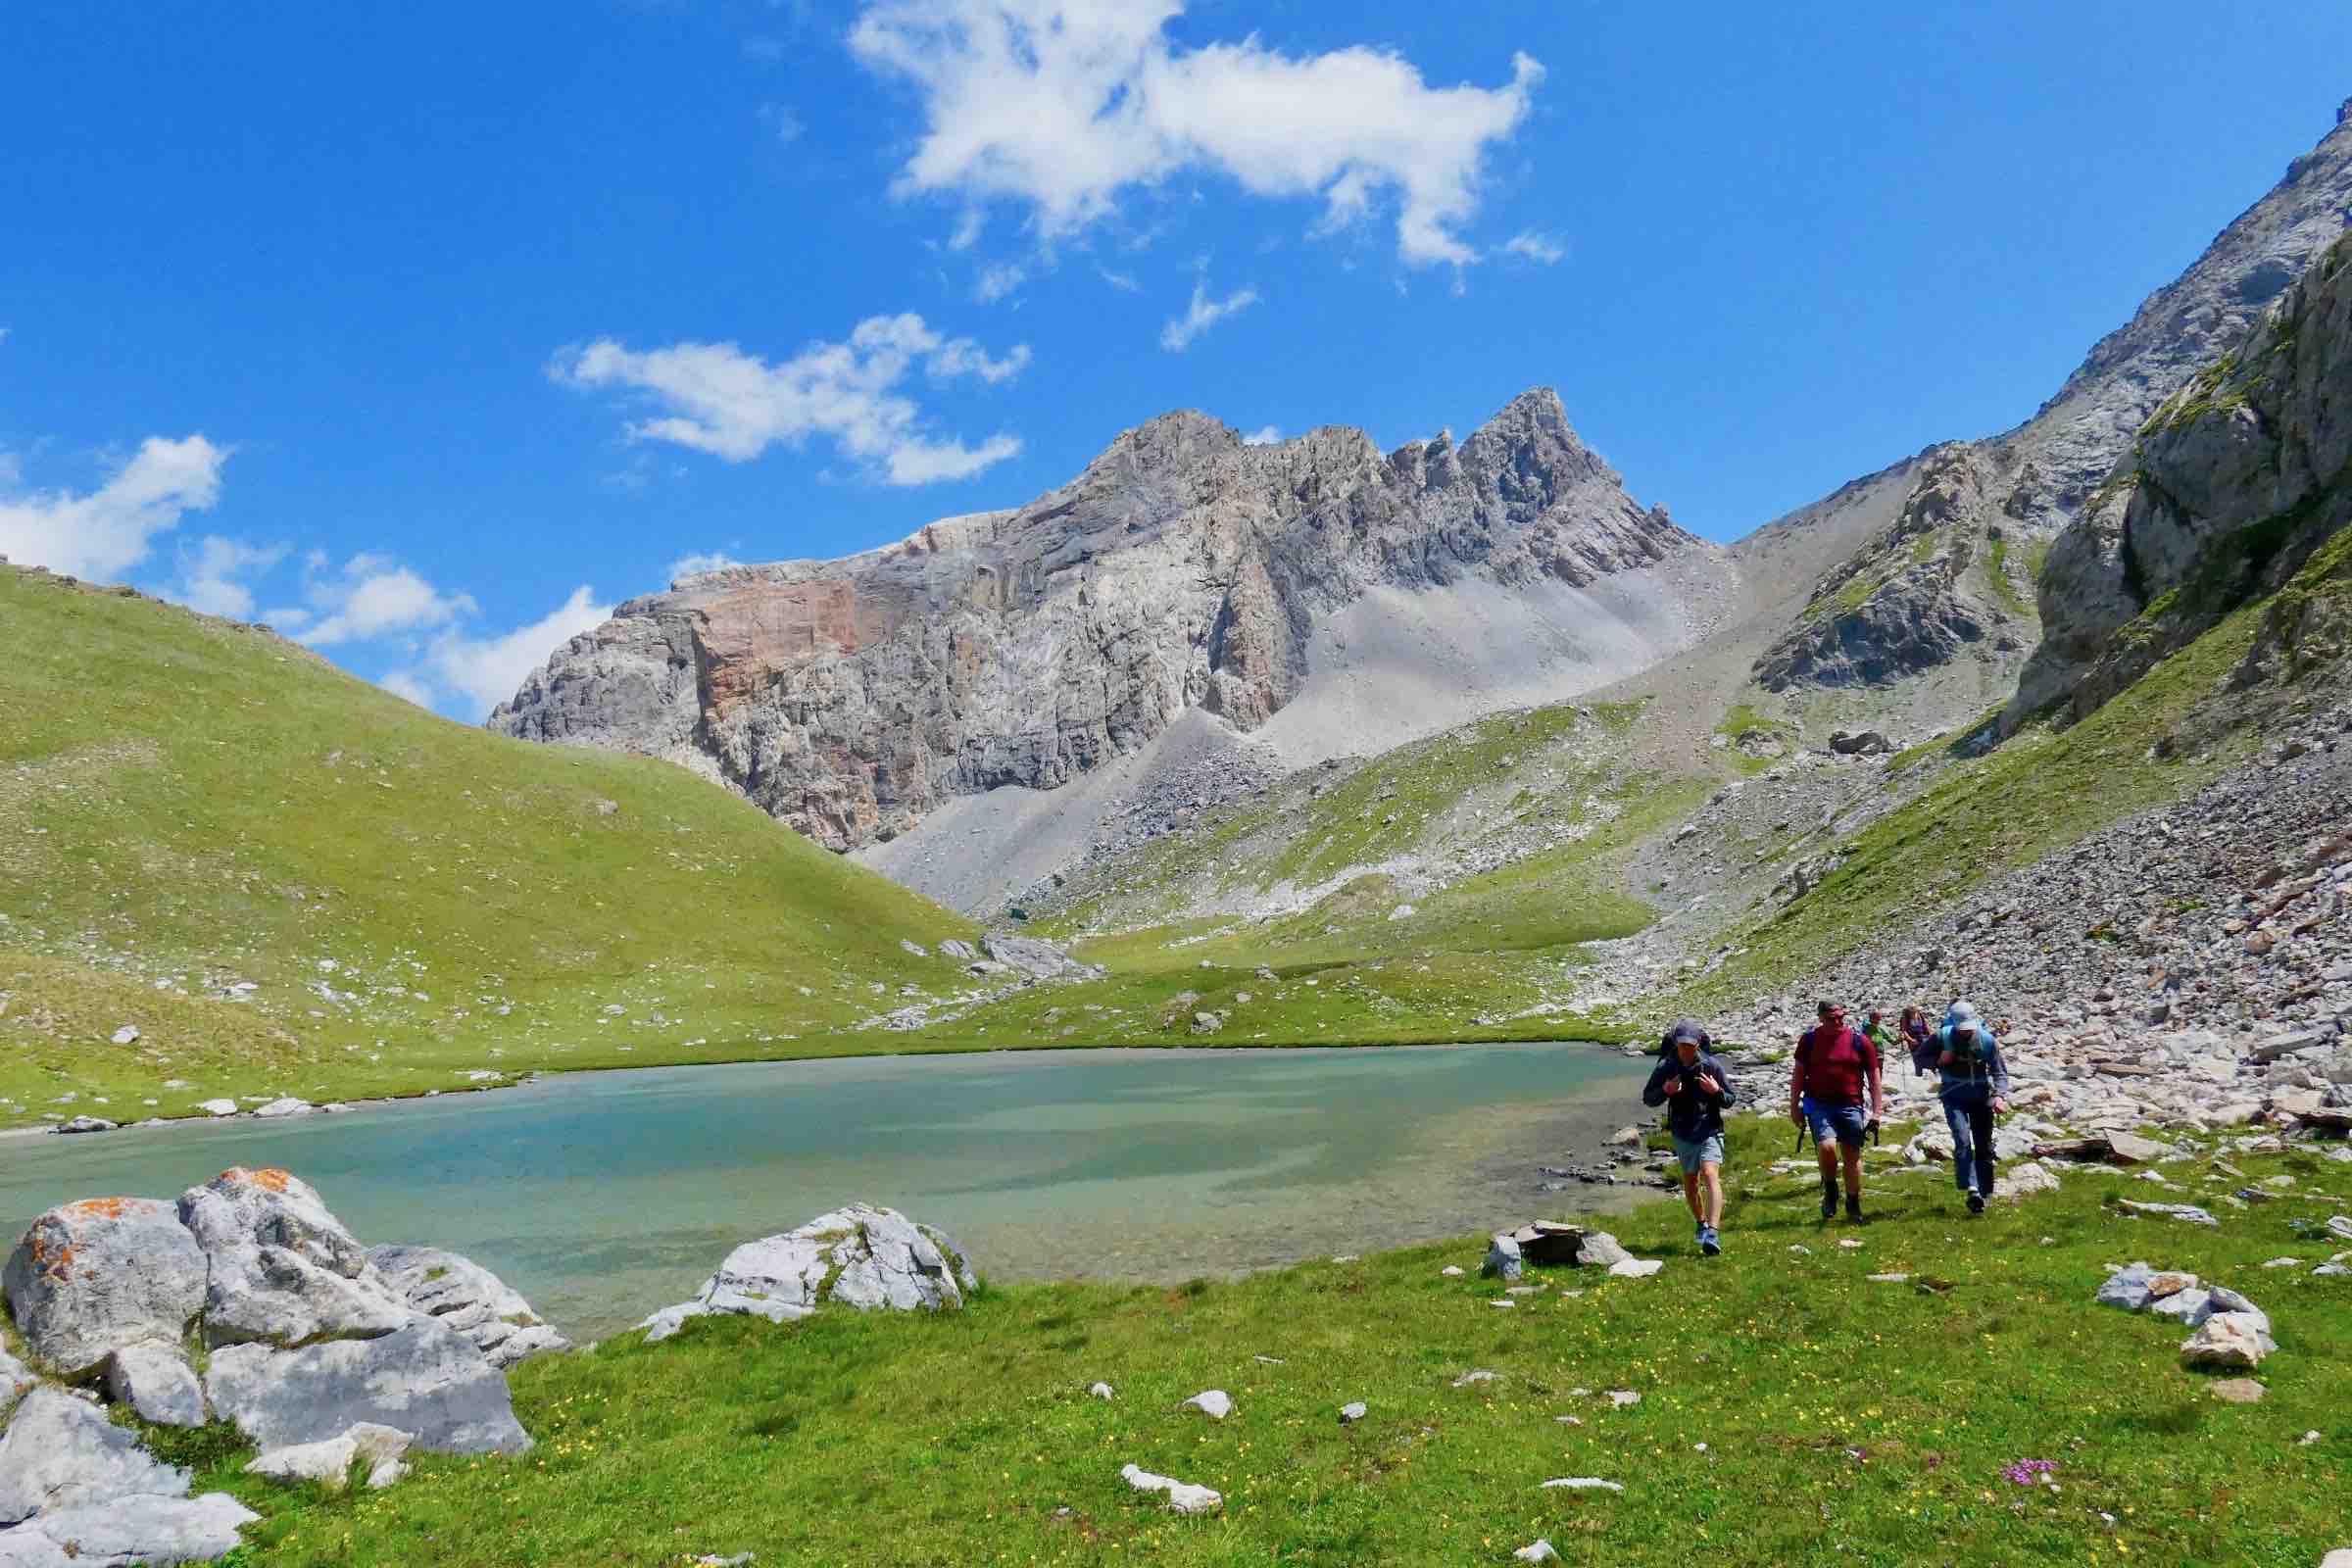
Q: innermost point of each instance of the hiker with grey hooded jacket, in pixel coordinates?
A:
(1975, 1090)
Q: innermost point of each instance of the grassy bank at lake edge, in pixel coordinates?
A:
(1838, 1413)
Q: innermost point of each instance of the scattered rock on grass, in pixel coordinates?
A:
(328, 1462)
(1183, 1496)
(1537, 1550)
(1636, 1268)
(1581, 1484)
(1100, 1390)
(2236, 1391)
(1352, 1411)
(1214, 1403)
(2226, 1339)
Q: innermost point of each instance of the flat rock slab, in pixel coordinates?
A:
(1636, 1268)
(1214, 1403)
(63, 1452)
(2236, 1391)
(470, 1299)
(328, 1463)
(426, 1380)
(1581, 1484)
(150, 1531)
(89, 1277)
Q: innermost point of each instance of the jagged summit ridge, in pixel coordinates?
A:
(1183, 570)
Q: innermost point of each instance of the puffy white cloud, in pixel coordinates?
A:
(111, 529)
(717, 399)
(1539, 248)
(1263, 436)
(1205, 313)
(373, 596)
(400, 684)
(475, 674)
(1064, 104)
(706, 561)
(208, 575)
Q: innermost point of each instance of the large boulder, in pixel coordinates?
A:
(15, 1380)
(106, 1272)
(470, 1299)
(284, 1271)
(1039, 960)
(2226, 1339)
(424, 1378)
(861, 1256)
(61, 1452)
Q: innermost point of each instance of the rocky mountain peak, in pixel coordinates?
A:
(1182, 570)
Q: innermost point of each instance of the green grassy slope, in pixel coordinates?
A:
(186, 804)
(1465, 962)
(1791, 1408)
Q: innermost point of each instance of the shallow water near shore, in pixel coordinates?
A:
(604, 1196)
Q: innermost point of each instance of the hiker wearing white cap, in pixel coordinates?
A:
(1691, 1084)
(1976, 1089)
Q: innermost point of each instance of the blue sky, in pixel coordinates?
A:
(428, 333)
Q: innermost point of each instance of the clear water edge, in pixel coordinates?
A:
(604, 1196)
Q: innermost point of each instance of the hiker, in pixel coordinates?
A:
(1690, 1082)
(1836, 1090)
(1976, 1089)
(1873, 1024)
(1921, 1042)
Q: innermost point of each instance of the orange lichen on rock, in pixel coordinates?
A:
(101, 1208)
(269, 1180)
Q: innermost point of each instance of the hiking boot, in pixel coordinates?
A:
(1976, 1202)
(1853, 1210)
(1707, 1241)
(1829, 1199)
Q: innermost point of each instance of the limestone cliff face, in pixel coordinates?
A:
(2235, 484)
(1183, 570)
(1902, 607)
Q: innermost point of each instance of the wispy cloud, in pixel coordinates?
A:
(999, 281)
(1534, 247)
(696, 565)
(715, 398)
(1124, 282)
(1263, 436)
(1064, 104)
(1205, 313)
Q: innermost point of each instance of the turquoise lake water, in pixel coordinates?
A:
(604, 1196)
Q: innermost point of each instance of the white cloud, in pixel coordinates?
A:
(694, 566)
(477, 673)
(1263, 436)
(373, 596)
(109, 530)
(1124, 282)
(1000, 281)
(1536, 247)
(781, 122)
(1064, 104)
(208, 575)
(400, 684)
(1205, 313)
(717, 399)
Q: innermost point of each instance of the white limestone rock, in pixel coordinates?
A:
(1183, 1496)
(61, 1452)
(1214, 1403)
(143, 1529)
(470, 1299)
(91, 1276)
(282, 1269)
(861, 1256)
(425, 1379)
(157, 1383)
(329, 1461)
(2226, 1340)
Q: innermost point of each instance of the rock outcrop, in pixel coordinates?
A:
(2235, 484)
(1184, 570)
(316, 1351)
(861, 1256)
(1955, 571)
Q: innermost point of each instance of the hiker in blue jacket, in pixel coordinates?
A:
(1976, 1089)
(1691, 1083)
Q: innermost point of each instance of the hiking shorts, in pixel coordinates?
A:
(1846, 1124)
(1694, 1153)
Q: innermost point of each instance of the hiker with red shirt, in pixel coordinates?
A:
(1836, 1090)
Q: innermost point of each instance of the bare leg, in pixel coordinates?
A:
(1691, 1195)
(1713, 1177)
(1854, 1175)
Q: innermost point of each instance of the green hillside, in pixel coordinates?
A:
(188, 806)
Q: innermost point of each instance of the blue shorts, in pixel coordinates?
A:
(1707, 1150)
(1844, 1123)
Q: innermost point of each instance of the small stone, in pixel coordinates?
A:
(1214, 1403)
(1183, 1496)
(1622, 1398)
(1451, 1271)
(1100, 1390)
(1848, 1242)
(1537, 1550)
(1581, 1484)
(1636, 1268)
(1352, 1411)
(127, 1035)
(2236, 1391)
(1887, 1279)
(1480, 1375)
